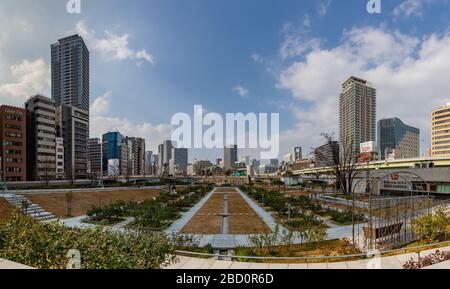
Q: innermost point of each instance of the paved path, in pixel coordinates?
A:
(5, 264)
(393, 262)
(123, 224)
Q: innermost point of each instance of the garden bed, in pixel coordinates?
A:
(321, 249)
(57, 204)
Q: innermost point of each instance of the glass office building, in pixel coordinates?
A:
(397, 140)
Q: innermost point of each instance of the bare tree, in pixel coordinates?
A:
(343, 162)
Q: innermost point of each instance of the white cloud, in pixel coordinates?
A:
(323, 7)
(153, 134)
(115, 47)
(411, 8)
(102, 122)
(297, 39)
(27, 78)
(410, 74)
(101, 104)
(242, 91)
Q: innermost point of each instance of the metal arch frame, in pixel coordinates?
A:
(379, 178)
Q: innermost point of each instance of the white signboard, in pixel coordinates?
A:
(368, 147)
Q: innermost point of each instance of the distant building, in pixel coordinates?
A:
(73, 127)
(245, 160)
(111, 148)
(397, 139)
(70, 92)
(357, 114)
(302, 165)
(230, 156)
(160, 159)
(95, 158)
(296, 154)
(155, 164)
(274, 162)
(13, 136)
(267, 169)
(41, 135)
(70, 72)
(149, 163)
(440, 129)
(138, 158)
(179, 161)
(199, 168)
(327, 155)
(127, 157)
(60, 174)
(165, 154)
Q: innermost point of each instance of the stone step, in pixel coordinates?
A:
(33, 210)
(38, 214)
(46, 218)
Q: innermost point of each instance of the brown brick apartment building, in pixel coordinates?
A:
(13, 144)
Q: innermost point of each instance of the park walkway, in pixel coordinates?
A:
(223, 241)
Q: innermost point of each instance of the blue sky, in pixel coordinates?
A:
(151, 59)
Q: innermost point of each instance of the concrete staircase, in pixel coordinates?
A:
(32, 210)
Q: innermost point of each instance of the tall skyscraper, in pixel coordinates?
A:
(70, 72)
(70, 92)
(41, 138)
(95, 161)
(165, 154)
(230, 156)
(357, 114)
(440, 138)
(138, 150)
(398, 140)
(13, 136)
(73, 127)
(160, 159)
(111, 148)
(127, 157)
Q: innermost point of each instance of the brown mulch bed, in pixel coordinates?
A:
(5, 210)
(56, 203)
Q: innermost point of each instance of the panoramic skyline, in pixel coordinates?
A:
(152, 59)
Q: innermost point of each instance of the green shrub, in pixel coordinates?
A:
(45, 246)
(433, 228)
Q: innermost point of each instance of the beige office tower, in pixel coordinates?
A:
(440, 131)
(357, 114)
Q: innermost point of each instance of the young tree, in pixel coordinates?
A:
(69, 199)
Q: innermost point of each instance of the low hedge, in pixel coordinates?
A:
(45, 246)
